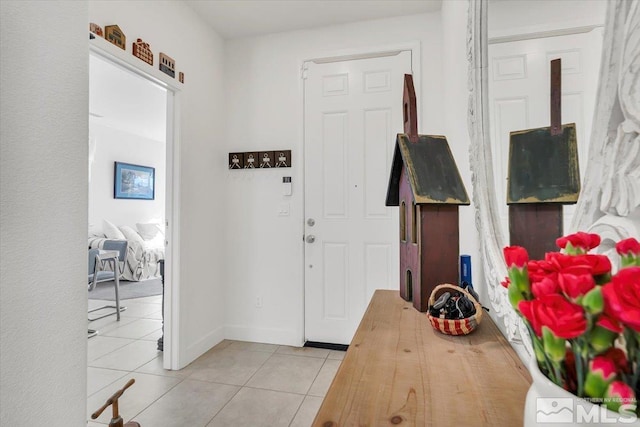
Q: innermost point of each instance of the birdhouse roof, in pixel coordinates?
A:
(431, 169)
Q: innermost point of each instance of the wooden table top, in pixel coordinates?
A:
(400, 371)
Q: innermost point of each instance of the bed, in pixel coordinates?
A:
(145, 249)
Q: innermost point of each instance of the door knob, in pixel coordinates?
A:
(310, 238)
(311, 222)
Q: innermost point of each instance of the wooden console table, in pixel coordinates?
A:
(400, 371)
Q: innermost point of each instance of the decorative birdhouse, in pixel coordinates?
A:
(114, 34)
(543, 176)
(167, 65)
(142, 50)
(96, 29)
(426, 185)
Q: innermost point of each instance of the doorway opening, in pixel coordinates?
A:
(133, 121)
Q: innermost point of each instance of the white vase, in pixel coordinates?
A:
(549, 405)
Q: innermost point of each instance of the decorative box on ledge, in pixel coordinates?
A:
(426, 185)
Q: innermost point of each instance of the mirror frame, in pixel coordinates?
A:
(609, 202)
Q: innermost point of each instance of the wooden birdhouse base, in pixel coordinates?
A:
(436, 256)
(535, 227)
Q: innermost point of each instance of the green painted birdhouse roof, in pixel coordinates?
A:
(433, 175)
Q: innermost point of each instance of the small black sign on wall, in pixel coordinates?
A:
(260, 159)
(236, 160)
(266, 159)
(283, 158)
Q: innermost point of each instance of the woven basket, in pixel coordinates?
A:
(454, 326)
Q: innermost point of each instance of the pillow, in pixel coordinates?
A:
(131, 235)
(148, 231)
(111, 231)
(95, 230)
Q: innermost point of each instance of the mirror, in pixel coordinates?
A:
(609, 202)
(523, 37)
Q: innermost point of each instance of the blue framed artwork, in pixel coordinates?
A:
(133, 181)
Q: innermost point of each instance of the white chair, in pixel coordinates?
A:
(98, 258)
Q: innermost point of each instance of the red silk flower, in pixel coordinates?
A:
(600, 264)
(515, 256)
(565, 319)
(586, 241)
(541, 269)
(629, 245)
(609, 323)
(619, 358)
(576, 286)
(546, 286)
(622, 297)
(578, 264)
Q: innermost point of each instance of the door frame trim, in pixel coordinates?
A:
(102, 48)
(347, 54)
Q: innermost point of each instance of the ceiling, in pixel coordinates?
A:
(244, 18)
(123, 100)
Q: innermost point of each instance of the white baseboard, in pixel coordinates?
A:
(201, 346)
(264, 335)
(240, 333)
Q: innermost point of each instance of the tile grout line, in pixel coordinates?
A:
(307, 393)
(181, 379)
(159, 397)
(225, 405)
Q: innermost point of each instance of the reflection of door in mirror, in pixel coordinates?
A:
(524, 36)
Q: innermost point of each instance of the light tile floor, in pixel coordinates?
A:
(233, 384)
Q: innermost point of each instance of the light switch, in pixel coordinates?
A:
(284, 209)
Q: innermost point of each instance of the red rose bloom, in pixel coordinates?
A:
(600, 264)
(569, 264)
(539, 270)
(575, 286)
(619, 358)
(609, 323)
(546, 286)
(586, 241)
(515, 256)
(565, 319)
(622, 297)
(578, 264)
(630, 245)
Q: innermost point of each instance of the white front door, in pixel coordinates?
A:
(519, 92)
(353, 111)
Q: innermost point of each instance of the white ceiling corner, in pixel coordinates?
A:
(245, 18)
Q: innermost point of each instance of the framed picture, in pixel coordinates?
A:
(133, 181)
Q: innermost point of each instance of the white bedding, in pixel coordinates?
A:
(142, 258)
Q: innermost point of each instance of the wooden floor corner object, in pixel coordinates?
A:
(400, 371)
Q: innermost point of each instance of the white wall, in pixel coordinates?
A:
(264, 111)
(43, 213)
(456, 104)
(173, 28)
(108, 145)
